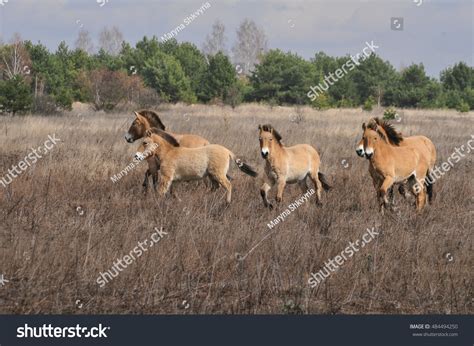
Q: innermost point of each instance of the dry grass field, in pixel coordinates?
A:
(63, 222)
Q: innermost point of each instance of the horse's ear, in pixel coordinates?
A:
(148, 132)
(136, 114)
(363, 126)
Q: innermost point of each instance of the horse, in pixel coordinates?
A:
(394, 164)
(146, 122)
(179, 163)
(288, 165)
(421, 143)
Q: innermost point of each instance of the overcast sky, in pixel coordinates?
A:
(437, 33)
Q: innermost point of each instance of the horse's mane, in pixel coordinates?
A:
(393, 135)
(152, 118)
(167, 137)
(271, 129)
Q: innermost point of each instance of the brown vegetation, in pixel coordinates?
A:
(64, 221)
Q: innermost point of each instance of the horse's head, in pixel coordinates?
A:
(269, 138)
(137, 129)
(371, 139)
(146, 149)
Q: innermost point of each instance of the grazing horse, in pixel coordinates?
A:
(146, 122)
(178, 163)
(394, 164)
(420, 143)
(288, 165)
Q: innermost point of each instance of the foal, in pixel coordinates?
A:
(395, 164)
(179, 163)
(288, 165)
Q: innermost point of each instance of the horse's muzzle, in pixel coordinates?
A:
(129, 138)
(360, 152)
(264, 155)
(368, 155)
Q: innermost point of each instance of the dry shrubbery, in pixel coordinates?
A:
(52, 254)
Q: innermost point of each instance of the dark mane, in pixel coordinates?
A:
(167, 137)
(152, 118)
(394, 137)
(270, 128)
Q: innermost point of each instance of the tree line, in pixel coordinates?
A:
(34, 79)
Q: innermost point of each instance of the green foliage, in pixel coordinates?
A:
(153, 71)
(283, 77)
(463, 107)
(390, 113)
(165, 74)
(218, 79)
(193, 63)
(15, 95)
(368, 104)
(459, 77)
(321, 102)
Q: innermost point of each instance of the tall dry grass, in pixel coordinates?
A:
(52, 254)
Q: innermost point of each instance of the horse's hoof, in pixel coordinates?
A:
(270, 206)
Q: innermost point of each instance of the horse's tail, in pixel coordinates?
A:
(244, 167)
(324, 182)
(429, 182)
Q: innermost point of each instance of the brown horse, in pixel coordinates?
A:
(178, 163)
(288, 165)
(147, 121)
(420, 143)
(394, 164)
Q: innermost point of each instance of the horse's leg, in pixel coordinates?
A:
(222, 180)
(317, 185)
(164, 185)
(303, 185)
(281, 183)
(214, 184)
(154, 167)
(386, 185)
(420, 192)
(420, 200)
(377, 182)
(145, 182)
(264, 193)
(155, 180)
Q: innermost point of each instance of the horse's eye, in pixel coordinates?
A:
(271, 139)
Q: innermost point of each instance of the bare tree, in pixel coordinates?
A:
(215, 41)
(15, 59)
(84, 42)
(111, 40)
(251, 44)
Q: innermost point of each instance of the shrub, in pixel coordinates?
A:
(368, 104)
(463, 107)
(390, 113)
